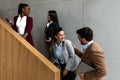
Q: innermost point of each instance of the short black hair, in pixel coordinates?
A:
(85, 32)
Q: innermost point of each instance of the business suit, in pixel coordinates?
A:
(49, 31)
(94, 57)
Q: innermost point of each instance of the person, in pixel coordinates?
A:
(51, 26)
(23, 24)
(63, 56)
(92, 55)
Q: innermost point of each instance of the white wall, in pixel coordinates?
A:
(101, 15)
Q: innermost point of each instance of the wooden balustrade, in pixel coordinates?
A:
(21, 61)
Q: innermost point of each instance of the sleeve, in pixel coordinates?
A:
(78, 52)
(29, 25)
(99, 64)
(14, 26)
(71, 54)
(52, 57)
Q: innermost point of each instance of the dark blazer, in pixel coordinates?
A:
(94, 57)
(28, 28)
(49, 31)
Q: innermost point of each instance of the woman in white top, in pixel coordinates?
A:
(23, 23)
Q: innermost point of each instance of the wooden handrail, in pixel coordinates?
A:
(21, 61)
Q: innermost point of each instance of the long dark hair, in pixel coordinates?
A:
(21, 6)
(57, 30)
(53, 16)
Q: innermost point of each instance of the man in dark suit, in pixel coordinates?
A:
(92, 55)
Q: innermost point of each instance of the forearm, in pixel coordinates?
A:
(25, 35)
(78, 52)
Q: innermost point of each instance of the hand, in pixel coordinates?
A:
(65, 72)
(74, 45)
(25, 35)
(48, 40)
(9, 20)
(81, 76)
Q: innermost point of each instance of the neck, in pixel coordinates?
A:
(58, 42)
(22, 15)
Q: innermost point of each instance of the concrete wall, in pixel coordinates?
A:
(104, 17)
(101, 15)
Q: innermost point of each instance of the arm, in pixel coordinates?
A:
(99, 64)
(9, 21)
(70, 52)
(13, 24)
(71, 55)
(29, 27)
(77, 51)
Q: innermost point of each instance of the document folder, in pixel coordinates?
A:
(83, 68)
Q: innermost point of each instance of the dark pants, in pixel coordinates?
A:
(70, 76)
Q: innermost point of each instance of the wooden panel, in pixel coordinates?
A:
(21, 61)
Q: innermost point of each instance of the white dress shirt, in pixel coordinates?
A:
(21, 24)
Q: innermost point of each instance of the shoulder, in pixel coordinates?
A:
(95, 47)
(29, 18)
(67, 42)
(96, 50)
(54, 24)
(15, 17)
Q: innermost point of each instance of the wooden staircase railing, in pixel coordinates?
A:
(20, 61)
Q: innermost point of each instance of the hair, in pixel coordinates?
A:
(57, 30)
(86, 33)
(53, 16)
(21, 6)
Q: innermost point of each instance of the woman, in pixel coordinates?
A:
(63, 56)
(23, 23)
(51, 26)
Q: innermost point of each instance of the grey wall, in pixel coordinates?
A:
(104, 17)
(101, 15)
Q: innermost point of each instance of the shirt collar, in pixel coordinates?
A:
(56, 45)
(49, 23)
(84, 47)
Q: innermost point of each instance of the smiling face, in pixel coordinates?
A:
(60, 37)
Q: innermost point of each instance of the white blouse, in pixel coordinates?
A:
(21, 24)
(49, 23)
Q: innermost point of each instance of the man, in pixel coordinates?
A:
(92, 55)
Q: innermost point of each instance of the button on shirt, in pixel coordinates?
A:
(58, 52)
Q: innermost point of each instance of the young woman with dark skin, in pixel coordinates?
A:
(23, 23)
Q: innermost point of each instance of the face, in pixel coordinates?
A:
(60, 37)
(49, 18)
(82, 40)
(26, 10)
